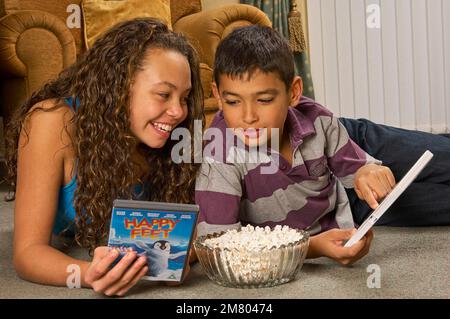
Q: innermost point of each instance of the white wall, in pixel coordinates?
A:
(398, 74)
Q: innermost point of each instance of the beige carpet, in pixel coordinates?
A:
(414, 263)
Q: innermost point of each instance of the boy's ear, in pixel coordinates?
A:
(216, 94)
(296, 90)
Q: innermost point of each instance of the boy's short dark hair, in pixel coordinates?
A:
(250, 48)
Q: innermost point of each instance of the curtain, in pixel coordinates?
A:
(277, 11)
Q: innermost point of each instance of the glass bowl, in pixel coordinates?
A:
(266, 267)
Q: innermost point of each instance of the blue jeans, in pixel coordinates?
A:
(426, 202)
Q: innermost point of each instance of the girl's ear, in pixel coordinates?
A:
(296, 90)
(216, 94)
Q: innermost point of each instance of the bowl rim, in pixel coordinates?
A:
(199, 242)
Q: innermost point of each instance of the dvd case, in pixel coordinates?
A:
(160, 231)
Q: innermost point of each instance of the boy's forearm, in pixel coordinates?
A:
(44, 264)
(313, 251)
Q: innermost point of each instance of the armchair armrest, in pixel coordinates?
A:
(205, 29)
(13, 27)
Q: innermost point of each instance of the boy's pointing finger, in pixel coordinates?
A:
(369, 196)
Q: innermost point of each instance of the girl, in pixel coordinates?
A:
(101, 131)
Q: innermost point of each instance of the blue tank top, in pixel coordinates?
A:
(65, 215)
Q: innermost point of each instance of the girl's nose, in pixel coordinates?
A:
(176, 110)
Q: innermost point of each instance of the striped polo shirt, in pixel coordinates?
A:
(309, 194)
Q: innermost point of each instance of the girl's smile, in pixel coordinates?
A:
(161, 128)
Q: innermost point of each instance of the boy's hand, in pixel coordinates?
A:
(373, 182)
(331, 244)
(119, 279)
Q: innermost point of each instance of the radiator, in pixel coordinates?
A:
(384, 60)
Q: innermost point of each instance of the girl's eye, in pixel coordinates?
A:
(231, 102)
(164, 95)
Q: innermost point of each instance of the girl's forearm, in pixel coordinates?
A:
(46, 265)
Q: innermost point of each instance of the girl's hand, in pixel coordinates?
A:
(373, 182)
(119, 279)
(331, 244)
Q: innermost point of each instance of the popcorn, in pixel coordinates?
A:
(253, 257)
(255, 239)
(257, 255)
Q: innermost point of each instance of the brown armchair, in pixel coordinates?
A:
(36, 44)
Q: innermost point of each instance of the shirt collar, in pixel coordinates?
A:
(299, 126)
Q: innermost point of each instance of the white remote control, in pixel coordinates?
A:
(391, 198)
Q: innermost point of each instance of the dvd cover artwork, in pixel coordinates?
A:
(164, 237)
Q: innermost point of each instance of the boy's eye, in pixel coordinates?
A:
(265, 101)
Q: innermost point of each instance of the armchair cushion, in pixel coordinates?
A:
(101, 15)
(34, 47)
(15, 48)
(179, 9)
(58, 9)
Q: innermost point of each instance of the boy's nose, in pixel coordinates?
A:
(249, 115)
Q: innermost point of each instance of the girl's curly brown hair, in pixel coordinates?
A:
(103, 142)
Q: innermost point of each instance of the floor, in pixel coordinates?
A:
(411, 263)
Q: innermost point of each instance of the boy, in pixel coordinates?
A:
(260, 99)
